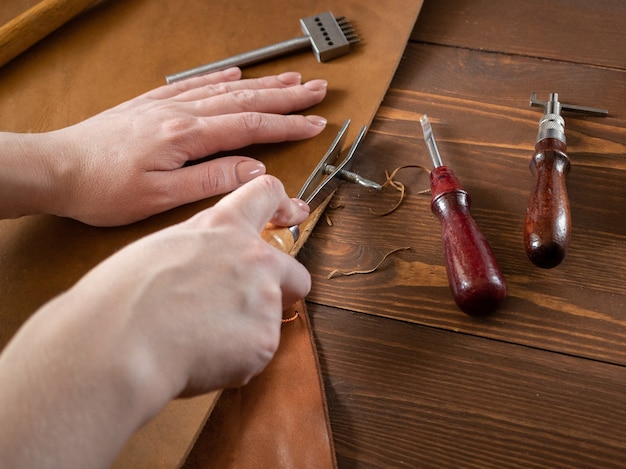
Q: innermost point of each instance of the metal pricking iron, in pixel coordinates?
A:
(329, 37)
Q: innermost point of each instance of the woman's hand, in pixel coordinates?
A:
(189, 309)
(128, 162)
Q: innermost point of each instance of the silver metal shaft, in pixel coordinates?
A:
(246, 58)
(352, 177)
(429, 138)
(554, 97)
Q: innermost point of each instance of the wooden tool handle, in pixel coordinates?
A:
(547, 226)
(36, 23)
(283, 238)
(475, 279)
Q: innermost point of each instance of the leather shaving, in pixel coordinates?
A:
(368, 271)
(329, 221)
(400, 187)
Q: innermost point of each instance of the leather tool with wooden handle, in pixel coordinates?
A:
(36, 23)
(477, 285)
(548, 222)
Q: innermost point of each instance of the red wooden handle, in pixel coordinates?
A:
(475, 279)
(548, 224)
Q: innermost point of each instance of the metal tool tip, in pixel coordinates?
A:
(429, 138)
(426, 127)
(349, 32)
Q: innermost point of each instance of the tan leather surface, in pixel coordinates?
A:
(279, 419)
(165, 441)
(119, 49)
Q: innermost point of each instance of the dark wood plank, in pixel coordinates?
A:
(402, 395)
(569, 30)
(486, 133)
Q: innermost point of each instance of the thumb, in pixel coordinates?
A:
(261, 201)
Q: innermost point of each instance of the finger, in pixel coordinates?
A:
(204, 180)
(295, 282)
(284, 80)
(222, 82)
(254, 205)
(229, 132)
(260, 201)
(269, 100)
(285, 217)
(180, 87)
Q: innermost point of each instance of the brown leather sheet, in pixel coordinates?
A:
(119, 49)
(279, 419)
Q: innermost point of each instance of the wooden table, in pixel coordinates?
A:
(410, 380)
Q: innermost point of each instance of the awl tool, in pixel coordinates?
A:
(475, 279)
(329, 37)
(320, 186)
(548, 222)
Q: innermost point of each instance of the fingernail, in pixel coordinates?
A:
(290, 78)
(317, 120)
(316, 85)
(302, 205)
(246, 171)
(232, 72)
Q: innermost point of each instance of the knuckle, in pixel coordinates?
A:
(270, 184)
(223, 217)
(176, 125)
(264, 256)
(215, 182)
(245, 99)
(219, 88)
(269, 188)
(251, 122)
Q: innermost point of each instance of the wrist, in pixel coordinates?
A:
(118, 351)
(84, 369)
(31, 174)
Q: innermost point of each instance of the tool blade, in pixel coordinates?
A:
(429, 138)
(321, 185)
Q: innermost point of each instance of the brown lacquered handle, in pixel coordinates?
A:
(36, 23)
(476, 282)
(291, 239)
(548, 224)
(283, 239)
(475, 279)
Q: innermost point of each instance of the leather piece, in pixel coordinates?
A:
(164, 442)
(279, 419)
(120, 49)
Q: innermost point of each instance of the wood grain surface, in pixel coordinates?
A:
(412, 381)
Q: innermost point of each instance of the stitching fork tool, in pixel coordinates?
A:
(330, 37)
(319, 189)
